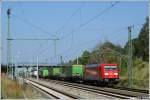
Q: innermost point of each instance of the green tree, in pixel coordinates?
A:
(85, 57)
(141, 44)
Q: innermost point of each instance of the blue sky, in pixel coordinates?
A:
(50, 16)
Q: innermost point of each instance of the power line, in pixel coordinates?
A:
(30, 39)
(37, 27)
(79, 46)
(105, 10)
(71, 45)
(68, 20)
(93, 18)
(29, 23)
(24, 15)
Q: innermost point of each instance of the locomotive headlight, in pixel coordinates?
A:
(115, 73)
(106, 73)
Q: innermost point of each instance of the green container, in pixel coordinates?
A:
(77, 70)
(72, 71)
(44, 72)
(56, 71)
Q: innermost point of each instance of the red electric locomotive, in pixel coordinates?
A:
(102, 74)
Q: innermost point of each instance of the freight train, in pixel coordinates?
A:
(101, 74)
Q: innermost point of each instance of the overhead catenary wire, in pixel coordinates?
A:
(32, 25)
(85, 24)
(26, 21)
(82, 25)
(39, 50)
(69, 19)
(24, 15)
(92, 19)
(95, 17)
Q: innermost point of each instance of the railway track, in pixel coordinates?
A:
(124, 93)
(93, 90)
(56, 94)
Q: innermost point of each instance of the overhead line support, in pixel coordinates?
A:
(130, 61)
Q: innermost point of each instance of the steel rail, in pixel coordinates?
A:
(53, 92)
(120, 91)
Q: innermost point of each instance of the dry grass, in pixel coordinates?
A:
(11, 89)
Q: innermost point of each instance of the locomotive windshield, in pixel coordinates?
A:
(110, 67)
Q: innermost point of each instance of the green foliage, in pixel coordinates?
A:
(106, 53)
(141, 44)
(85, 57)
(123, 66)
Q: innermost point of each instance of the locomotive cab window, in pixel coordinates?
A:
(110, 67)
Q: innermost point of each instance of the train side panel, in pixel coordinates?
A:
(65, 73)
(68, 73)
(56, 72)
(92, 73)
(77, 72)
(44, 72)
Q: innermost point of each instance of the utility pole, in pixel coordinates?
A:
(77, 60)
(55, 40)
(61, 60)
(37, 66)
(12, 69)
(61, 63)
(9, 56)
(130, 78)
(30, 67)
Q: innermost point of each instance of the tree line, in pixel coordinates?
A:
(108, 52)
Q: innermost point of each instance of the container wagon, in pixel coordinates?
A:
(44, 72)
(65, 73)
(55, 72)
(77, 73)
(72, 73)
